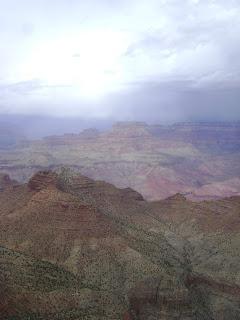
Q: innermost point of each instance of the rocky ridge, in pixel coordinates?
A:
(75, 248)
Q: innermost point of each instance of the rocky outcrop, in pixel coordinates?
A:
(75, 248)
(42, 180)
(177, 197)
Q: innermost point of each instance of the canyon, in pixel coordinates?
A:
(75, 248)
(199, 160)
(138, 222)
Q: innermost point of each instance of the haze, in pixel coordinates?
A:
(116, 60)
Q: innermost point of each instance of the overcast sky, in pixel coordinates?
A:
(121, 59)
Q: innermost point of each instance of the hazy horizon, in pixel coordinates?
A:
(35, 126)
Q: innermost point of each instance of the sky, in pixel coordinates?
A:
(153, 60)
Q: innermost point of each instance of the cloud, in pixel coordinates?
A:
(154, 102)
(197, 38)
(166, 52)
(176, 101)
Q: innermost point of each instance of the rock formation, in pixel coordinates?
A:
(200, 160)
(75, 248)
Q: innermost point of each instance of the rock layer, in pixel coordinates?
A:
(200, 160)
(75, 248)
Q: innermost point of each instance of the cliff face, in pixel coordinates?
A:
(200, 160)
(75, 248)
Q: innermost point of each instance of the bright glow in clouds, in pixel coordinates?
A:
(89, 61)
(67, 56)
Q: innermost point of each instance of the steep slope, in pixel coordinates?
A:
(29, 285)
(84, 249)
